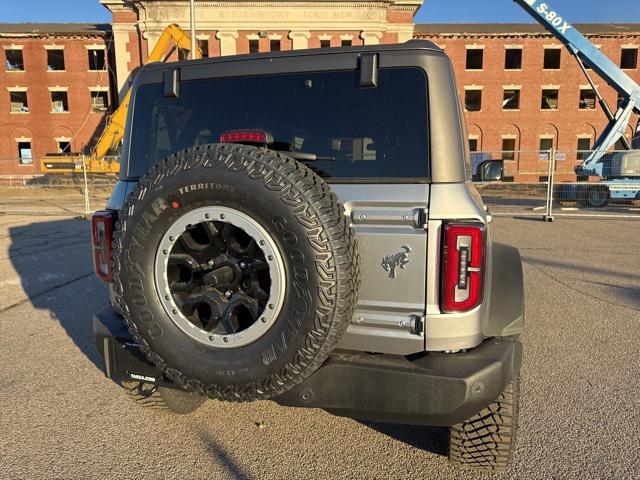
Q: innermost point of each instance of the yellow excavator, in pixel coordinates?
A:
(109, 141)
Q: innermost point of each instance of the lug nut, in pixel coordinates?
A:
(211, 263)
(261, 242)
(243, 265)
(271, 307)
(222, 216)
(228, 293)
(207, 216)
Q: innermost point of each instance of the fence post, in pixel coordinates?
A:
(87, 208)
(548, 216)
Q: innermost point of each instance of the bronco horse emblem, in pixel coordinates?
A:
(391, 262)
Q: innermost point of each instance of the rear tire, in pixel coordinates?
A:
(486, 441)
(597, 196)
(165, 399)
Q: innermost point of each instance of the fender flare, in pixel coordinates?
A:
(506, 316)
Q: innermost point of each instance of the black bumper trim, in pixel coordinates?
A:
(424, 389)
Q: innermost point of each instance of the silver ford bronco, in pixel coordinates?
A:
(302, 227)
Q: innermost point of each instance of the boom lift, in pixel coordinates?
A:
(621, 171)
(114, 130)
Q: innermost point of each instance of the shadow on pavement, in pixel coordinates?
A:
(54, 265)
(430, 439)
(614, 292)
(221, 457)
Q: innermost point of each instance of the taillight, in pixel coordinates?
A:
(463, 266)
(101, 236)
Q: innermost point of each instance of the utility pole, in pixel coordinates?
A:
(192, 16)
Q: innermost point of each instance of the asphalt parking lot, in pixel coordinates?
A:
(61, 418)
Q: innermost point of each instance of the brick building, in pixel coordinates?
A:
(244, 26)
(54, 90)
(521, 88)
(524, 91)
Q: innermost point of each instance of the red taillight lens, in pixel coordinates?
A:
(247, 136)
(463, 266)
(101, 236)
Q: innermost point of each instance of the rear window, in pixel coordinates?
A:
(357, 133)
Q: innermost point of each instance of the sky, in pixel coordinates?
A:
(433, 11)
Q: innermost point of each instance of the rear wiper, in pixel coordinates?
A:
(307, 157)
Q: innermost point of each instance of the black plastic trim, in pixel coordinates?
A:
(423, 389)
(122, 358)
(506, 316)
(369, 70)
(172, 83)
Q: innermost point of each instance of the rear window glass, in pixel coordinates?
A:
(355, 132)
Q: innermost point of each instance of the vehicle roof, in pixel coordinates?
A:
(411, 45)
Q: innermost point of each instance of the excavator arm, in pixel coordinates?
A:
(114, 130)
(587, 54)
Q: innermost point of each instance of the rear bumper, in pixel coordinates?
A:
(430, 389)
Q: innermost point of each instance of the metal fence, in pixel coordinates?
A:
(535, 183)
(550, 184)
(74, 190)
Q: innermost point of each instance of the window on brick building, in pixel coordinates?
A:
(546, 144)
(473, 144)
(97, 59)
(550, 99)
(346, 43)
(511, 99)
(24, 153)
(19, 102)
(64, 146)
(254, 46)
(14, 61)
(473, 100)
(629, 58)
(59, 102)
(274, 45)
(183, 54)
(509, 148)
(513, 59)
(99, 101)
(552, 57)
(203, 45)
(475, 57)
(587, 99)
(55, 60)
(325, 43)
(583, 148)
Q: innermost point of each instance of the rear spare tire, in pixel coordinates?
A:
(236, 270)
